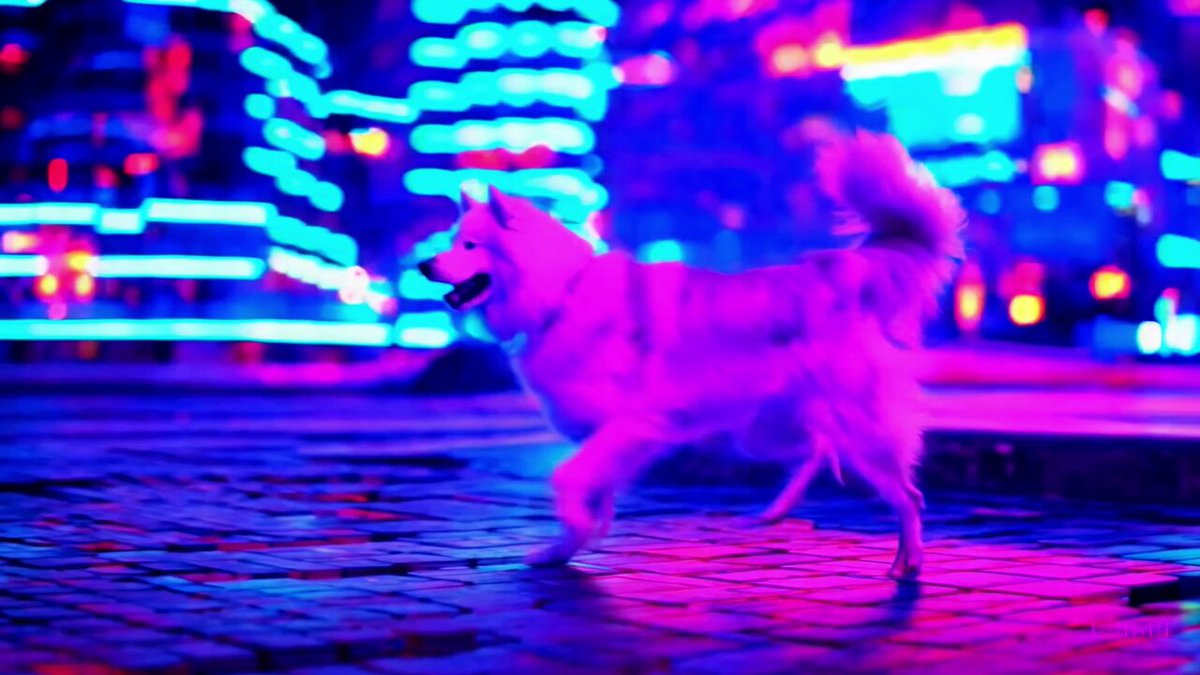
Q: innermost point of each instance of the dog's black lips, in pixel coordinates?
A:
(468, 290)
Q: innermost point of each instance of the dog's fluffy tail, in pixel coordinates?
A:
(899, 204)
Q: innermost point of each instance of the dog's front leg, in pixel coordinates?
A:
(585, 485)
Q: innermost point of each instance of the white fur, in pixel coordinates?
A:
(805, 363)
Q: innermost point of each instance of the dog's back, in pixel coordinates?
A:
(806, 358)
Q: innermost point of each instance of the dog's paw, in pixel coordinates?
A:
(557, 554)
(907, 564)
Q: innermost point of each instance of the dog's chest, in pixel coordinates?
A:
(583, 379)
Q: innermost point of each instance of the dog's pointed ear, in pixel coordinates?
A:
(501, 207)
(466, 201)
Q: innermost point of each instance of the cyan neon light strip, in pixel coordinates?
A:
(49, 213)
(526, 39)
(22, 3)
(302, 88)
(425, 330)
(603, 12)
(306, 268)
(1178, 252)
(282, 82)
(177, 267)
(282, 229)
(327, 197)
(269, 24)
(265, 63)
(339, 248)
(118, 221)
(269, 162)
(1178, 166)
(130, 221)
(195, 211)
(576, 193)
(23, 265)
(584, 90)
(663, 250)
(991, 167)
(381, 108)
(224, 330)
(513, 133)
(287, 135)
(296, 183)
(292, 180)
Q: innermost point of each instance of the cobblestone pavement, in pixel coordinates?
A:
(344, 534)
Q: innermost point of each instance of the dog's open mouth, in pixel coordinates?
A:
(468, 290)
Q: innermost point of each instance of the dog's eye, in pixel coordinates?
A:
(469, 245)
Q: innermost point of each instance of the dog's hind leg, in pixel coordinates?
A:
(894, 484)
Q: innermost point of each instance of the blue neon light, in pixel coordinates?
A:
(973, 85)
(666, 250)
(425, 330)
(282, 229)
(49, 213)
(604, 12)
(23, 265)
(225, 330)
(1149, 337)
(177, 267)
(196, 211)
(991, 167)
(118, 221)
(269, 162)
(576, 194)
(1178, 166)
(1119, 195)
(327, 196)
(339, 248)
(513, 133)
(260, 106)
(307, 268)
(1178, 252)
(527, 39)
(381, 108)
(287, 135)
(584, 90)
(265, 63)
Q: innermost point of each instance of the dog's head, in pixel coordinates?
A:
(508, 257)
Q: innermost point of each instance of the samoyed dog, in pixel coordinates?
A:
(806, 362)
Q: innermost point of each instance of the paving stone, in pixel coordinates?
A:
(179, 555)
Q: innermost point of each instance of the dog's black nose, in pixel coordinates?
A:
(425, 267)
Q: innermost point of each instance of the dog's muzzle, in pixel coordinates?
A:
(464, 291)
(468, 290)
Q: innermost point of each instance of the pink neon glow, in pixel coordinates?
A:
(1184, 7)
(649, 69)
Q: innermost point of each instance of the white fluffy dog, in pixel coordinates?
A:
(804, 362)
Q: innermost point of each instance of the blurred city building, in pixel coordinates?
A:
(252, 172)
